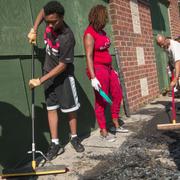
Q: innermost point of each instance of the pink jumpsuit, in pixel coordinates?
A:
(106, 75)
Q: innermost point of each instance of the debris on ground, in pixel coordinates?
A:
(146, 154)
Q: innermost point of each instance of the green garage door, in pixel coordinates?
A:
(160, 24)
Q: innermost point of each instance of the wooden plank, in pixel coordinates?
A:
(170, 126)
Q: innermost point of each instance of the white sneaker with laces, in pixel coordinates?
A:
(108, 137)
(119, 129)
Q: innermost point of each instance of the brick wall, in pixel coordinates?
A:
(127, 41)
(174, 18)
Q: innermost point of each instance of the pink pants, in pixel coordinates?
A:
(110, 83)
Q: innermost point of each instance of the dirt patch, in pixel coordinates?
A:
(147, 154)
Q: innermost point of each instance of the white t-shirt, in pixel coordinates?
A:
(174, 49)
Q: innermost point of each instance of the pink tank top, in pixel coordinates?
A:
(101, 46)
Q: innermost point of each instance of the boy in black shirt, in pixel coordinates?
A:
(58, 76)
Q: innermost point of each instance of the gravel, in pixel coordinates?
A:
(147, 154)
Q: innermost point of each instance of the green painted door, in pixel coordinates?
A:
(160, 25)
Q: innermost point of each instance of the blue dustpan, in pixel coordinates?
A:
(105, 96)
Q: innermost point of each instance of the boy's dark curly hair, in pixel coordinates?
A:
(54, 7)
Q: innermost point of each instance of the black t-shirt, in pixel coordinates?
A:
(59, 48)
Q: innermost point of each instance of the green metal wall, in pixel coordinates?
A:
(15, 66)
(160, 25)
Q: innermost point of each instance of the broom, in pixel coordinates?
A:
(33, 169)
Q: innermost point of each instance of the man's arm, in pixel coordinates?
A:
(177, 71)
(32, 35)
(54, 72)
(39, 19)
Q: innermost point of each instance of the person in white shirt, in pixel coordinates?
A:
(172, 47)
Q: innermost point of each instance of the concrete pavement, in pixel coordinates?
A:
(79, 163)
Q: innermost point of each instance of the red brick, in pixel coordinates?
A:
(174, 18)
(127, 41)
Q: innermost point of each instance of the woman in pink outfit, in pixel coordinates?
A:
(100, 71)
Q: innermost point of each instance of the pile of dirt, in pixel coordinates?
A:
(147, 154)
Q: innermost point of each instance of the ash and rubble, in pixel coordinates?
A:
(146, 154)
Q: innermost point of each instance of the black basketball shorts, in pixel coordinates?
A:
(61, 93)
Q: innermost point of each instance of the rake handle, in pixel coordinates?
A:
(33, 110)
(173, 102)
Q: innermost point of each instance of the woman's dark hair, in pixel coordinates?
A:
(98, 17)
(54, 7)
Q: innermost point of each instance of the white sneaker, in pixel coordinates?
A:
(108, 137)
(119, 129)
